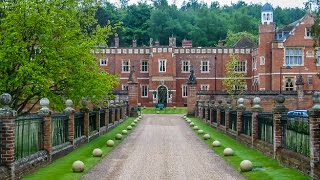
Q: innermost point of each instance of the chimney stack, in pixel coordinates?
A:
(134, 43)
(116, 40)
(221, 43)
(172, 41)
(156, 43)
(186, 43)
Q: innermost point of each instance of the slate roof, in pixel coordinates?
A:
(245, 43)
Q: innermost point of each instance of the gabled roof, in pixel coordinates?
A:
(245, 43)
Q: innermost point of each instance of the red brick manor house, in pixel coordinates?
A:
(282, 58)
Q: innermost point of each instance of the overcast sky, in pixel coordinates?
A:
(274, 3)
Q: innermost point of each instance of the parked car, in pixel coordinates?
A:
(298, 114)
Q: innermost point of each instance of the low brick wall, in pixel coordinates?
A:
(293, 159)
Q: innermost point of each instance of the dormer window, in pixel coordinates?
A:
(308, 33)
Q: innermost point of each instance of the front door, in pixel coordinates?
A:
(162, 95)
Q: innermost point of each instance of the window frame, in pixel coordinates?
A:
(184, 91)
(125, 87)
(207, 65)
(123, 66)
(142, 70)
(307, 33)
(144, 93)
(294, 56)
(101, 62)
(239, 69)
(205, 85)
(183, 65)
(164, 69)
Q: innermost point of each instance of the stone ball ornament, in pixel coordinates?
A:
(188, 120)
(280, 99)
(110, 143)
(216, 144)
(140, 117)
(118, 136)
(196, 128)
(97, 152)
(246, 165)
(191, 124)
(133, 124)
(240, 101)
(135, 121)
(228, 152)
(129, 127)
(124, 132)
(200, 131)
(78, 166)
(206, 136)
(256, 100)
(5, 99)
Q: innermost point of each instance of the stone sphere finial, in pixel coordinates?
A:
(280, 99)
(280, 107)
(241, 104)
(256, 104)
(5, 100)
(44, 103)
(316, 101)
(69, 105)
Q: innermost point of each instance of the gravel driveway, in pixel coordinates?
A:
(162, 147)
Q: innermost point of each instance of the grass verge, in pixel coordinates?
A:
(168, 110)
(272, 169)
(61, 168)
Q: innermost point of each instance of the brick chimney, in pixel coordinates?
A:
(186, 43)
(221, 43)
(172, 41)
(156, 43)
(134, 43)
(116, 40)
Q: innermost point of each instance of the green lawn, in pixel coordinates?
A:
(168, 110)
(272, 168)
(61, 168)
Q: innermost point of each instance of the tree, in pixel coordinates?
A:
(233, 38)
(47, 54)
(234, 81)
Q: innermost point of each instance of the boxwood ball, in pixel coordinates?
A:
(124, 132)
(206, 136)
(216, 143)
(246, 165)
(78, 166)
(191, 124)
(97, 152)
(118, 136)
(228, 152)
(196, 128)
(200, 131)
(110, 143)
(129, 127)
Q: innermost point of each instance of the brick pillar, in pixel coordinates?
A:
(106, 117)
(132, 91)
(113, 114)
(206, 107)
(256, 108)
(118, 114)
(220, 106)
(277, 127)
(227, 119)
(7, 133)
(192, 98)
(47, 134)
(240, 109)
(86, 126)
(97, 110)
(314, 123)
(70, 112)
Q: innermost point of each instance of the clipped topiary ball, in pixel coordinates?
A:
(200, 131)
(196, 128)
(206, 136)
(228, 152)
(97, 152)
(129, 127)
(124, 132)
(110, 143)
(118, 136)
(191, 124)
(216, 143)
(78, 166)
(246, 165)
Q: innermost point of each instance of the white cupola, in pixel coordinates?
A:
(267, 14)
